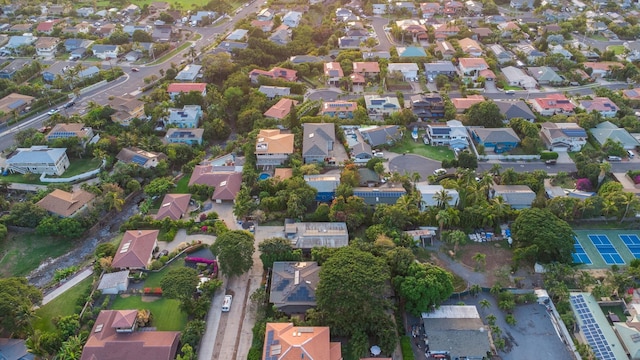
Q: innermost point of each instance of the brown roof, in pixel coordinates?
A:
(273, 141)
(46, 42)
(227, 183)
(281, 109)
(283, 173)
(105, 343)
(65, 204)
(124, 319)
(77, 128)
(465, 103)
(120, 103)
(174, 206)
(7, 101)
(132, 154)
(295, 342)
(366, 66)
(135, 249)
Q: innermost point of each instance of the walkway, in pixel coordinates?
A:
(67, 285)
(456, 267)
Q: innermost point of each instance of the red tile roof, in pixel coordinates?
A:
(281, 109)
(296, 343)
(47, 26)
(135, 249)
(555, 101)
(227, 183)
(174, 206)
(186, 87)
(366, 67)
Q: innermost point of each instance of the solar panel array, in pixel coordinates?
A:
(633, 243)
(606, 249)
(591, 330)
(579, 255)
(301, 294)
(139, 160)
(390, 194)
(272, 344)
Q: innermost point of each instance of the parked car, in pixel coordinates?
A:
(69, 104)
(135, 69)
(550, 162)
(510, 92)
(53, 111)
(439, 172)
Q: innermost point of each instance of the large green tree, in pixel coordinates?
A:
(543, 235)
(179, 283)
(234, 250)
(352, 290)
(277, 249)
(17, 298)
(486, 114)
(424, 286)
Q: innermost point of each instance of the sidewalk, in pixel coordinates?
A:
(67, 285)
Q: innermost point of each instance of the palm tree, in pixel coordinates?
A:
(508, 177)
(491, 320)
(442, 198)
(443, 218)
(499, 208)
(480, 259)
(630, 201)
(456, 238)
(34, 345)
(475, 289)
(485, 304)
(609, 207)
(113, 200)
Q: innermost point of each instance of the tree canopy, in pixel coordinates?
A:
(277, 249)
(234, 250)
(424, 286)
(179, 283)
(486, 114)
(17, 297)
(544, 236)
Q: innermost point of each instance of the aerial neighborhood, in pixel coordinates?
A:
(285, 180)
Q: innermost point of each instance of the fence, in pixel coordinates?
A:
(92, 87)
(83, 176)
(509, 157)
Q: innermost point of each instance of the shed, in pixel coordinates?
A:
(114, 283)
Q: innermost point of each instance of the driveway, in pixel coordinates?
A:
(324, 94)
(410, 163)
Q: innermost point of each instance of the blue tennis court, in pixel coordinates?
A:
(633, 243)
(608, 252)
(579, 255)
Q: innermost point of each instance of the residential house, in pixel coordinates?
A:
(174, 89)
(333, 73)
(531, 53)
(284, 73)
(309, 235)
(114, 335)
(498, 140)
(456, 331)
(563, 137)
(515, 109)
(130, 29)
(74, 43)
(380, 106)
(602, 105)
(429, 10)
(411, 51)
(481, 33)
(174, 207)
(265, 15)
(361, 152)
(105, 30)
(607, 130)
(517, 196)
(340, 109)
(443, 31)
(445, 49)
(376, 55)
(446, 68)
(272, 92)
(238, 35)
(184, 136)
(348, 42)
(631, 94)
(380, 135)
(292, 18)
(474, 8)
(379, 9)
(21, 28)
(409, 71)
(56, 10)
(162, 33)
(281, 36)
(553, 104)
(264, 25)
(38, 160)
(14, 103)
(280, 174)
(502, 55)
(345, 15)
(325, 185)
(463, 104)
(601, 69)
(427, 106)
(408, 6)
(470, 68)
(452, 134)
(14, 66)
(17, 41)
(224, 179)
(136, 250)
(228, 47)
(560, 50)
(114, 283)
(284, 341)
(187, 117)
(66, 204)
(368, 69)
(273, 147)
(368, 178)
(189, 73)
(545, 75)
(318, 142)
(201, 15)
(105, 52)
(517, 77)
(470, 47)
(293, 286)
(413, 27)
(146, 159)
(432, 196)
(389, 194)
(506, 29)
(89, 72)
(46, 27)
(281, 109)
(520, 4)
(70, 130)
(159, 7)
(131, 10)
(126, 109)
(453, 7)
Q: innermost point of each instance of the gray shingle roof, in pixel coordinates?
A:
(316, 138)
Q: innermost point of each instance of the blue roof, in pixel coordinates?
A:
(412, 51)
(139, 160)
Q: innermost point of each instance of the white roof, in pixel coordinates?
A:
(453, 312)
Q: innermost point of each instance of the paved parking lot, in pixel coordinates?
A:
(410, 163)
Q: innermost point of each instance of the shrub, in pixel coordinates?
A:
(407, 351)
(548, 155)
(636, 179)
(584, 184)
(156, 264)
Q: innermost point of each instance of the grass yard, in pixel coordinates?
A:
(598, 37)
(166, 313)
(33, 179)
(509, 87)
(438, 153)
(617, 49)
(182, 186)
(63, 305)
(170, 54)
(22, 253)
(80, 166)
(154, 278)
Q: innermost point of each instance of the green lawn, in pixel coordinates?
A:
(598, 37)
(154, 278)
(617, 49)
(22, 253)
(438, 153)
(166, 313)
(509, 87)
(171, 54)
(182, 186)
(80, 166)
(63, 305)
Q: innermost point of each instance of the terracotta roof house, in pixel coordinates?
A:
(274, 73)
(367, 68)
(429, 9)
(340, 109)
(146, 159)
(333, 72)
(471, 67)
(264, 25)
(470, 47)
(176, 88)
(136, 249)
(114, 336)
(602, 105)
(283, 173)
(47, 26)
(481, 32)
(174, 206)
(66, 204)
(46, 47)
(553, 104)
(273, 147)
(445, 30)
(284, 341)
(462, 104)
(631, 94)
(281, 109)
(445, 49)
(127, 109)
(562, 137)
(64, 131)
(453, 7)
(601, 69)
(226, 182)
(14, 102)
(414, 28)
(293, 286)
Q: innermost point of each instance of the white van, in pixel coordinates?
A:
(614, 158)
(631, 154)
(226, 304)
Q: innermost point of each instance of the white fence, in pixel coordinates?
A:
(509, 157)
(83, 176)
(92, 87)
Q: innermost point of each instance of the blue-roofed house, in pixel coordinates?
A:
(608, 130)
(105, 52)
(386, 194)
(20, 40)
(272, 92)
(411, 51)
(197, 17)
(130, 29)
(74, 43)
(381, 135)
(89, 72)
(562, 137)
(228, 46)
(238, 35)
(38, 160)
(292, 18)
(14, 349)
(325, 184)
(49, 74)
(146, 159)
(497, 139)
(432, 70)
(189, 73)
(281, 36)
(186, 118)
(184, 136)
(293, 286)
(10, 70)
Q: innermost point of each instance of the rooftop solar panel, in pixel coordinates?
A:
(139, 159)
(592, 330)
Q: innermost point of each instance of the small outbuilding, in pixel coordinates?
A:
(114, 283)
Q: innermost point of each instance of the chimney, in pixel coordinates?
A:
(139, 232)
